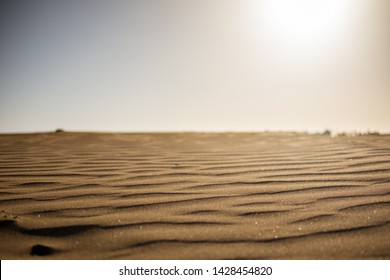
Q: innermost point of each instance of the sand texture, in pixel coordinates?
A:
(194, 196)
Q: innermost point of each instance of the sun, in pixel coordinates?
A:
(304, 23)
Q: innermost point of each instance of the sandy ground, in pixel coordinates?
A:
(194, 196)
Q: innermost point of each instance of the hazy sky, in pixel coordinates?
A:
(195, 65)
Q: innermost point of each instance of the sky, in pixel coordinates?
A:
(204, 65)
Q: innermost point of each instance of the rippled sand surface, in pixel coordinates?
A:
(194, 196)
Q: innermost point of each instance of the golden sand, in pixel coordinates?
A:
(194, 196)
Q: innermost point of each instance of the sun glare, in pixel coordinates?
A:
(304, 23)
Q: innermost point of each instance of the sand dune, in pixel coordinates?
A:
(194, 196)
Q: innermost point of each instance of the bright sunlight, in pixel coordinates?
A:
(306, 23)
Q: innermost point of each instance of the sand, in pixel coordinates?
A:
(194, 196)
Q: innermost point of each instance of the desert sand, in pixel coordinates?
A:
(194, 196)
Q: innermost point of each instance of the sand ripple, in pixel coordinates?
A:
(194, 196)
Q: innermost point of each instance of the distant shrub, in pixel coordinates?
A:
(370, 133)
(59, 130)
(373, 133)
(327, 132)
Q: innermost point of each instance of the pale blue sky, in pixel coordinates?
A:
(205, 65)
